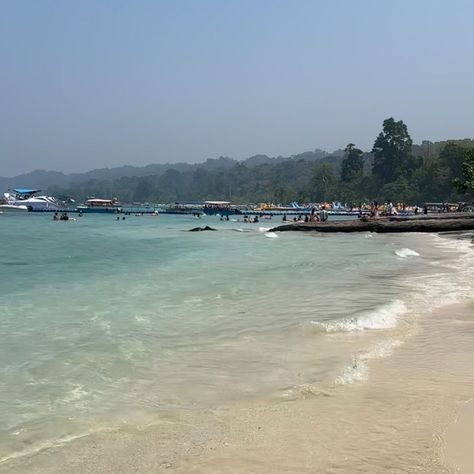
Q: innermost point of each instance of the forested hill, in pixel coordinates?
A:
(394, 169)
(45, 179)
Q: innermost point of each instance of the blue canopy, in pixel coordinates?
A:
(26, 191)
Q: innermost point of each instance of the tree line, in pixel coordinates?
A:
(395, 169)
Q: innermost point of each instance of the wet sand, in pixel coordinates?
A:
(414, 414)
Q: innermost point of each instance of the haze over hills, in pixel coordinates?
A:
(397, 170)
(44, 179)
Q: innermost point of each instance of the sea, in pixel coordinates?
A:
(116, 326)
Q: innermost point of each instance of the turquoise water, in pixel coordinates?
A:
(106, 322)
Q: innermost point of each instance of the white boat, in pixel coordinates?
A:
(9, 208)
(21, 198)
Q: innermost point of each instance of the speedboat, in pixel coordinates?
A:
(10, 208)
(21, 198)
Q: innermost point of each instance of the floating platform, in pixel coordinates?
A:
(385, 225)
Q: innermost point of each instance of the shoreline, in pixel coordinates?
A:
(393, 410)
(379, 425)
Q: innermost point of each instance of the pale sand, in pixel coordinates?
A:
(460, 439)
(396, 422)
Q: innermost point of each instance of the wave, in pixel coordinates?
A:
(49, 444)
(271, 235)
(453, 282)
(358, 370)
(405, 252)
(264, 229)
(385, 317)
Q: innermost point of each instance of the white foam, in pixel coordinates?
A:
(358, 370)
(271, 235)
(48, 444)
(453, 281)
(382, 349)
(264, 229)
(385, 317)
(405, 252)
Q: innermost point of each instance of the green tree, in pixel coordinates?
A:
(323, 183)
(392, 151)
(453, 156)
(431, 181)
(352, 167)
(466, 183)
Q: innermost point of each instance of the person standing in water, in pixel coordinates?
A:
(313, 216)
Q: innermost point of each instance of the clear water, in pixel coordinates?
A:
(106, 322)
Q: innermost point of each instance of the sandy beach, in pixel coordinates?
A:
(459, 438)
(414, 414)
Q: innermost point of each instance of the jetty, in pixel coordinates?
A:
(433, 223)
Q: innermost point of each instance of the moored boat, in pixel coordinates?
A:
(221, 208)
(7, 208)
(19, 198)
(293, 207)
(96, 205)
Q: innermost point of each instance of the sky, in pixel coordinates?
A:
(96, 83)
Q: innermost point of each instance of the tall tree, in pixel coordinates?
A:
(392, 151)
(352, 166)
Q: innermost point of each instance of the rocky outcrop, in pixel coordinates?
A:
(383, 225)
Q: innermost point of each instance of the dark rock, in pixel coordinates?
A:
(383, 225)
(201, 229)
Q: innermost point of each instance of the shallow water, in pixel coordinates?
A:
(106, 323)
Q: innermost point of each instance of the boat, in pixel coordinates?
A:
(97, 205)
(221, 208)
(20, 198)
(7, 208)
(293, 207)
(183, 207)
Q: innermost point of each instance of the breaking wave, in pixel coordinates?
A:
(385, 317)
(405, 252)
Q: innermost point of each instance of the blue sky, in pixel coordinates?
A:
(87, 84)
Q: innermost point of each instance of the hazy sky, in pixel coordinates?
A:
(95, 83)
